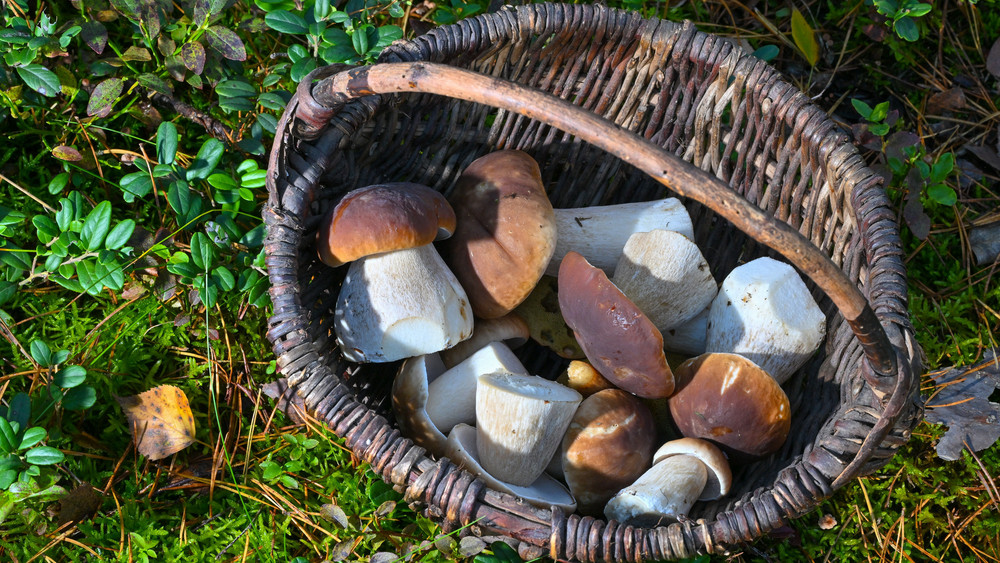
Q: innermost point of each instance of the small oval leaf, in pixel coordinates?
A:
(103, 97)
(805, 37)
(193, 56)
(227, 43)
(44, 455)
(69, 154)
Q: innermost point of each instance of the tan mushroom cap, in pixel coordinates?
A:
(729, 400)
(720, 476)
(382, 218)
(608, 445)
(618, 339)
(505, 234)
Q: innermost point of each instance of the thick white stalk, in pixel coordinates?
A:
(520, 424)
(599, 233)
(400, 304)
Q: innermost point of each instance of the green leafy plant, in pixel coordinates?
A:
(901, 16)
(877, 117)
(332, 35)
(66, 383)
(297, 461)
(21, 456)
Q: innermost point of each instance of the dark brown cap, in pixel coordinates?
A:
(618, 339)
(382, 218)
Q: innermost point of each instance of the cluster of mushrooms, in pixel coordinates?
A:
(451, 286)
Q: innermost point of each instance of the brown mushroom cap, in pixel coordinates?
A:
(382, 218)
(729, 400)
(506, 231)
(618, 339)
(608, 445)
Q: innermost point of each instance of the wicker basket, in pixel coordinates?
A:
(761, 170)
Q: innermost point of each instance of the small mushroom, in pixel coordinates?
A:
(583, 378)
(684, 471)
(544, 492)
(509, 329)
(505, 232)
(451, 397)
(666, 276)
(764, 311)
(609, 443)
(599, 233)
(520, 421)
(398, 299)
(618, 339)
(731, 401)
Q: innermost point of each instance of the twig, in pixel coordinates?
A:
(47, 207)
(213, 126)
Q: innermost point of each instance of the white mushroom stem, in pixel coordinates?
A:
(599, 233)
(765, 313)
(688, 337)
(662, 495)
(409, 398)
(451, 397)
(509, 329)
(666, 276)
(400, 304)
(520, 423)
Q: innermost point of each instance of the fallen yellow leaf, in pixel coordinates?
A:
(161, 421)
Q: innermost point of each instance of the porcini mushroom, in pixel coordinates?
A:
(618, 339)
(381, 218)
(764, 311)
(599, 233)
(544, 492)
(520, 422)
(451, 397)
(398, 299)
(683, 472)
(582, 377)
(505, 232)
(665, 275)
(609, 443)
(731, 401)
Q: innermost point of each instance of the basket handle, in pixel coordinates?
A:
(683, 178)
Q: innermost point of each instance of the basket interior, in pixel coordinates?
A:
(698, 96)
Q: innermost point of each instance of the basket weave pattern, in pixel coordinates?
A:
(699, 97)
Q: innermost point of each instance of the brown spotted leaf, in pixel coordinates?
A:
(103, 97)
(70, 154)
(226, 42)
(95, 36)
(161, 421)
(193, 56)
